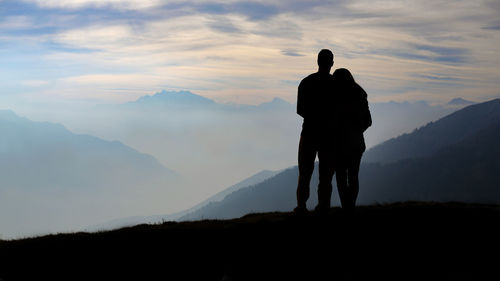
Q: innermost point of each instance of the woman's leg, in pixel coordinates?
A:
(342, 187)
(353, 179)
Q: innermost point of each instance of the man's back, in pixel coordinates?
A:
(315, 103)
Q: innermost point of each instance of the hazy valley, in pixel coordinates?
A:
(177, 153)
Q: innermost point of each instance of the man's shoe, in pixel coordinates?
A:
(300, 210)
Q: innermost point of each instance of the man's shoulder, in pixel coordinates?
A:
(308, 78)
(314, 77)
(307, 81)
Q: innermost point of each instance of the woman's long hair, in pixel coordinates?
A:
(352, 97)
(347, 85)
(343, 76)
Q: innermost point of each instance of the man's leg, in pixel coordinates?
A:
(307, 155)
(326, 171)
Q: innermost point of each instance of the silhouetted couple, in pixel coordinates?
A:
(335, 111)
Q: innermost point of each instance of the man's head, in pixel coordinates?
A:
(325, 59)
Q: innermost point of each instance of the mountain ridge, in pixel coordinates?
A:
(174, 97)
(21, 135)
(188, 99)
(49, 176)
(447, 130)
(460, 102)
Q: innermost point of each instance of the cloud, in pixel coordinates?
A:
(439, 77)
(124, 80)
(291, 53)
(491, 27)
(282, 27)
(16, 22)
(255, 11)
(226, 48)
(224, 24)
(36, 83)
(444, 54)
(117, 4)
(424, 57)
(97, 37)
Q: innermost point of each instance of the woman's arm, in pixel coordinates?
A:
(365, 115)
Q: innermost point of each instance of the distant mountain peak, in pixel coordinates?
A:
(275, 103)
(279, 100)
(460, 101)
(7, 114)
(175, 98)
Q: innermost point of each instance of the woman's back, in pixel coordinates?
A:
(354, 119)
(353, 113)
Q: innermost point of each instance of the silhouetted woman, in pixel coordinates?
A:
(354, 119)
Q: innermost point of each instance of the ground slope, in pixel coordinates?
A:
(410, 241)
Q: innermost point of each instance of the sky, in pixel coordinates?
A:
(91, 51)
(74, 62)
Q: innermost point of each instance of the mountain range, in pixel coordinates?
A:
(409, 114)
(46, 168)
(384, 114)
(186, 100)
(165, 98)
(462, 164)
(428, 139)
(41, 154)
(52, 179)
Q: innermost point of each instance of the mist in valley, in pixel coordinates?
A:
(205, 146)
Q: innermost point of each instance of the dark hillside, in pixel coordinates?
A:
(429, 139)
(274, 194)
(410, 241)
(467, 171)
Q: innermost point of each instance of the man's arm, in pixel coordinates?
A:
(301, 99)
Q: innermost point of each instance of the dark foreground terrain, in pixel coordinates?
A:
(405, 241)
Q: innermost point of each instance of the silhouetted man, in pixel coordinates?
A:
(314, 103)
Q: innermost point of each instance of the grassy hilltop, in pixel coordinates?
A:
(402, 241)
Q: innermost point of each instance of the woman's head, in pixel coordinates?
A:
(343, 75)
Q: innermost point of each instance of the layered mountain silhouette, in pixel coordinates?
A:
(452, 159)
(52, 179)
(391, 119)
(187, 100)
(427, 140)
(41, 154)
(173, 98)
(409, 114)
(466, 171)
(460, 102)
